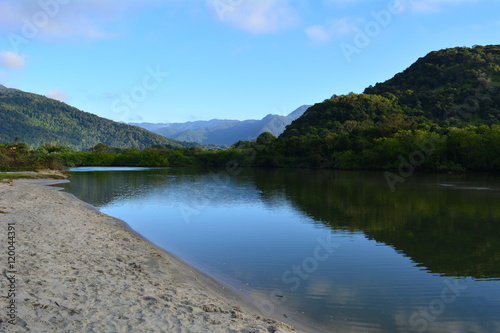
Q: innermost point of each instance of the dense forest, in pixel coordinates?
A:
(19, 156)
(37, 120)
(453, 87)
(441, 114)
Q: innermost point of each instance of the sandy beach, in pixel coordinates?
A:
(66, 267)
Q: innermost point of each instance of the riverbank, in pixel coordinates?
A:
(42, 174)
(74, 269)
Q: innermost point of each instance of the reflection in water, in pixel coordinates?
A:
(452, 231)
(336, 247)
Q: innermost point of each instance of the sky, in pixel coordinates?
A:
(185, 60)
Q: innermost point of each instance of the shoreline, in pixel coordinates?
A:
(78, 269)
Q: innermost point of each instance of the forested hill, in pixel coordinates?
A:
(38, 120)
(449, 99)
(452, 87)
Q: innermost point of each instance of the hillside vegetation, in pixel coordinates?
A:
(451, 87)
(442, 113)
(38, 120)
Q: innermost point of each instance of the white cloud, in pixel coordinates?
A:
(57, 94)
(335, 28)
(258, 17)
(85, 19)
(340, 3)
(414, 6)
(429, 6)
(12, 60)
(423, 7)
(61, 19)
(346, 25)
(317, 34)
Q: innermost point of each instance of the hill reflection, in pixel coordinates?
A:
(449, 224)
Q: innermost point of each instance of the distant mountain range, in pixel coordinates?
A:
(223, 132)
(37, 120)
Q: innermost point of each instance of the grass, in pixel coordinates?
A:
(29, 175)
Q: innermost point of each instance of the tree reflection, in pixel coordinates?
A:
(450, 224)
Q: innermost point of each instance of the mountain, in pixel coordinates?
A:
(442, 113)
(344, 113)
(450, 84)
(451, 87)
(224, 132)
(36, 120)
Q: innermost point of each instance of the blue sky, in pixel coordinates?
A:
(184, 60)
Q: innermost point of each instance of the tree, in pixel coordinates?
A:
(101, 148)
(265, 138)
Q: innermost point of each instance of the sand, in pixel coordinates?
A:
(79, 270)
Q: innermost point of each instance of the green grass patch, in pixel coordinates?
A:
(26, 175)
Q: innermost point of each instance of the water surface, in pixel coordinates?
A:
(338, 248)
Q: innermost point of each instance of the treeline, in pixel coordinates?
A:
(154, 156)
(361, 131)
(424, 147)
(19, 156)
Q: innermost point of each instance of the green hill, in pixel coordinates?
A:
(451, 86)
(38, 120)
(347, 112)
(447, 102)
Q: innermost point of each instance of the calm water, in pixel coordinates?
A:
(338, 248)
